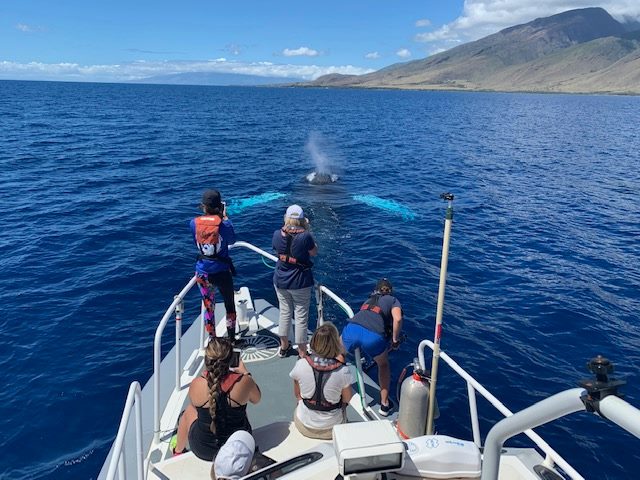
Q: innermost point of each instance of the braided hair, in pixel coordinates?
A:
(216, 361)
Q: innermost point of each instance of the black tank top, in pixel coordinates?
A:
(204, 443)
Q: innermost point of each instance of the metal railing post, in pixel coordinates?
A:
(157, 349)
(319, 304)
(179, 310)
(134, 399)
(359, 379)
(202, 324)
(473, 411)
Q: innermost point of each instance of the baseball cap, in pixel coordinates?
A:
(234, 457)
(211, 198)
(295, 212)
(384, 284)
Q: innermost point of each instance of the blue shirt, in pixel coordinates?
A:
(228, 236)
(376, 322)
(287, 275)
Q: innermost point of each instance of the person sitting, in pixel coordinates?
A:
(378, 321)
(218, 402)
(322, 385)
(234, 459)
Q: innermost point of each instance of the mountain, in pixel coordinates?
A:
(578, 51)
(213, 78)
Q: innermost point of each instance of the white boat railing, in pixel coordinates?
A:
(551, 456)
(177, 308)
(134, 399)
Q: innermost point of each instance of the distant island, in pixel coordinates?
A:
(215, 79)
(578, 51)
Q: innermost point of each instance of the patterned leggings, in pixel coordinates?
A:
(207, 284)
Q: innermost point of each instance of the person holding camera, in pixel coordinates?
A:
(213, 233)
(378, 321)
(218, 402)
(293, 278)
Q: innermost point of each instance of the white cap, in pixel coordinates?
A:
(234, 457)
(295, 212)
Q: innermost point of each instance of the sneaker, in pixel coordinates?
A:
(385, 410)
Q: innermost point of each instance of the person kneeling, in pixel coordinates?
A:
(322, 385)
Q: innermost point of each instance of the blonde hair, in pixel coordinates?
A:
(216, 362)
(296, 222)
(325, 342)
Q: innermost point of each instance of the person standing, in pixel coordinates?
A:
(378, 321)
(293, 278)
(213, 233)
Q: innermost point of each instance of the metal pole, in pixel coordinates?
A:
(319, 304)
(438, 329)
(179, 310)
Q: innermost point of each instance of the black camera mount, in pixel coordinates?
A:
(600, 387)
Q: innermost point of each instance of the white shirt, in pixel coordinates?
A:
(338, 379)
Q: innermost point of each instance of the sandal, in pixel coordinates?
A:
(284, 353)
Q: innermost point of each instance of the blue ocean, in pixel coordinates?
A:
(99, 182)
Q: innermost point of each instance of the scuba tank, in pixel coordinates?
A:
(414, 404)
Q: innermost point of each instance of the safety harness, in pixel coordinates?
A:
(321, 373)
(372, 305)
(286, 257)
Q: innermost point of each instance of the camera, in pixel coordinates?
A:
(235, 358)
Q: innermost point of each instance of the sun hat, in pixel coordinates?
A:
(295, 212)
(234, 457)
(211, 199)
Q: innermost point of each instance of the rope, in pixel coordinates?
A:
(265, 262)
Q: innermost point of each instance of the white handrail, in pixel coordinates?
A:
(498, 405)
(157, 343)
(134, 398)
(178, 299)
(255, 249)
(341, 303)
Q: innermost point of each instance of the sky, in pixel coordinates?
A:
(119, 41)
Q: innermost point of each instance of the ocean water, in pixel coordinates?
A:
(99, 182)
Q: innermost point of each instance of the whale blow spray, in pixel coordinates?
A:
(321, 161)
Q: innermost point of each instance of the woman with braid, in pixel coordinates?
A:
(218, 402)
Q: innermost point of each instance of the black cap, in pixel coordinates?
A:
(211, 199)
(384, 284)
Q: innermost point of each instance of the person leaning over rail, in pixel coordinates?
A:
(213, 233)
(292, 277)
(218, 402)
(322, 385)
(378, 321)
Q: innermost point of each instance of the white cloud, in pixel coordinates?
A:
(300, 52)
(139, 70)
(423, 22)
(403, 53)
(372, 55)
(23, 27)
(484, 17)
